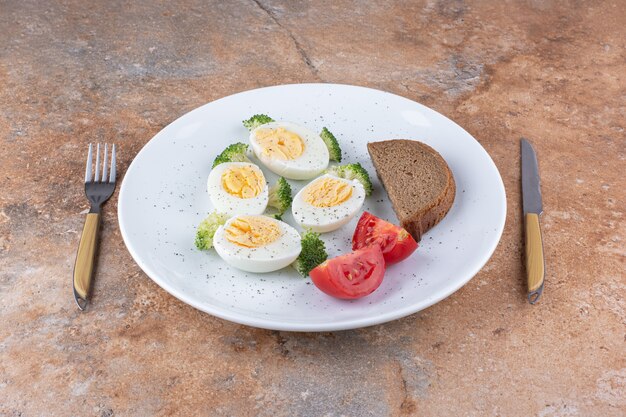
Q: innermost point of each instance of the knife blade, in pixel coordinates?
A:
(533, 207)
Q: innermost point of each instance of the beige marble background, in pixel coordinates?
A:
(73, 72)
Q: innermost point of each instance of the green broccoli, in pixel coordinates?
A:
(353, 172)
(256, 121)
(207, 228)
(237, 152)
(313, 253)
(280, 196)
(331, 143)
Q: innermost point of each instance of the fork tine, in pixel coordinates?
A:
(96, 177)
(89, 161)
(112, 176)
(104, 163)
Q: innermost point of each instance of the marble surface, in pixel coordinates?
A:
(74, 72)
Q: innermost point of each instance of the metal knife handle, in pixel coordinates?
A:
(85, 259)
(535, 264)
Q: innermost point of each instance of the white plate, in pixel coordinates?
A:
(163, 197)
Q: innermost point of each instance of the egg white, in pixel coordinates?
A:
(312, 162)
(229, 204)
(271, 257)
(327, 219)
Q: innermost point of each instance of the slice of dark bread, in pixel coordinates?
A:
(418, 181)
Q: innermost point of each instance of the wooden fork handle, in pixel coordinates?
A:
(85, 259)
(535, 264)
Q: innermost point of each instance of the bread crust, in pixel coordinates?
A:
(426, 217)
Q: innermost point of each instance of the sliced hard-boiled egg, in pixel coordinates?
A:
(327, 203)
(290, 150)
(238, 188)
(257, 243)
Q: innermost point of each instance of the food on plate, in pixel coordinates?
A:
(238, 188)
(290, 150)
(327, 203)
(351, 276)
(353, 172)
(418, 181)
(280, 197)
(395, 242)
(257, 243)
(207, 228)
(329, 139)
(256, 121)
(312, 254)
(334, 151)
(246, 228)
(237, 152)
(375, 243)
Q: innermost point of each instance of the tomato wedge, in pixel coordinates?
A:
(396, 243)
(351, 276)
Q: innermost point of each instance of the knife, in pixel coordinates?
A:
(533, 207)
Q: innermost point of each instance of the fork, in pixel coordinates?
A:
(98, 191)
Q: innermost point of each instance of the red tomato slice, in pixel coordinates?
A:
(396, 243)
(351, 276)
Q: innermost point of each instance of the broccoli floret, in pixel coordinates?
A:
(330, 140)
(237, 152)
(207, 228)
(278, 216)
(353, 172)
(313, 253)
(256, 121)
(280, 196)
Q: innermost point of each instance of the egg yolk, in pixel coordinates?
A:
(252, 232)
(327, 192)
(280, 143)
(243, 181)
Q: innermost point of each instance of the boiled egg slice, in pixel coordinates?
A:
(238, 188)
(327, 203)
(257, 243)
(290, 150)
